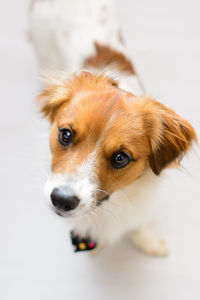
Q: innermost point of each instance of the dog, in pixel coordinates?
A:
(109, 142)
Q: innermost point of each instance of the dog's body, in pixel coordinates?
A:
(82, 37)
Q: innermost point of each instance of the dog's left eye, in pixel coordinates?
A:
(120, 160)
(65, 137)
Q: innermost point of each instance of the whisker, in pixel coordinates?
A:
(129, 199)
(184, 170)
(115, 205)
(95, 216)
(106, 211)
(102, 208)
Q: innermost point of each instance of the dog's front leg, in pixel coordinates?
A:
(148, 241)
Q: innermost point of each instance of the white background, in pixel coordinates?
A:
(36, 259)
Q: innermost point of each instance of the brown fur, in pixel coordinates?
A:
(177, 135)
(170, 137)
(106, 56)
(106, 119)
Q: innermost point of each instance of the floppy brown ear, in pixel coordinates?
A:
(52, 97)
(170, 137)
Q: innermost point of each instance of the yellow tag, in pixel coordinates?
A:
(82, 246)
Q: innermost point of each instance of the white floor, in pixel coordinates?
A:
(36, 259)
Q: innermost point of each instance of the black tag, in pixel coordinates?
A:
(82, 244)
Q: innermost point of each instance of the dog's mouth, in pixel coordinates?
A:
(79, 211)
(99, 202)
(59, 213)
(62, 213)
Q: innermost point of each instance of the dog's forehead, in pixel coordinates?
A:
(92, 109)
(103, 117)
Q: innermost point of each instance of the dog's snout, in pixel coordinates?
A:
(64, 201)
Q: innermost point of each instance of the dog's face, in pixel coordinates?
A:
(103, 138)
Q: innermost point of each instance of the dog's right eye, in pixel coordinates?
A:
(65, 137)
(120, 160)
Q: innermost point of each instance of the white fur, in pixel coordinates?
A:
(127, 209)
(148, 241)
(82, 183)
(63, 33)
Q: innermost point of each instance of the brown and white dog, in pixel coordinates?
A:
(108, 141)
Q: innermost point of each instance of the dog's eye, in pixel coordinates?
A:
(65, 137)
(120, 160)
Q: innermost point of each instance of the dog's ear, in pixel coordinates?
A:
(170, 136)
(52, 97)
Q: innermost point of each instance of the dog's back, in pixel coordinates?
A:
(64, 32)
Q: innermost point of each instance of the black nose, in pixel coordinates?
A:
(63, 201)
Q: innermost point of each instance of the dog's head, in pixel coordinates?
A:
(103, 138)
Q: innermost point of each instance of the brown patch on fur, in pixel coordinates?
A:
(105, 120)
(106, 56)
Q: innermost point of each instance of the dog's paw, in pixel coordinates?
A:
(149, 242)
